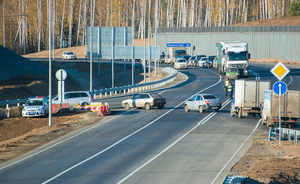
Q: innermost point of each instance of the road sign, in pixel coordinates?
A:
(280, 71)
(179, 44)
(280, 88)
(61, 75)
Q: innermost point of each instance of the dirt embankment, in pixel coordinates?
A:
(267, 162)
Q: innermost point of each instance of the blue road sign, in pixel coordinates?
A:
(280, 88)
(179, 44)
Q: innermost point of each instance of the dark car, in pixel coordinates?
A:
(210, 61)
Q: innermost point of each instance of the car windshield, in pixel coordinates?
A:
(180, 52)
(232, 69)
(237, 56)
(211, 58)
(209, 97)
(204, 59)
(34, 102)
(181, 61)
(200, 56)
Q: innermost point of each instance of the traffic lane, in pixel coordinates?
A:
(133, 151)
(291, 79)
(194, 82)
(200, 156)
(58, 157)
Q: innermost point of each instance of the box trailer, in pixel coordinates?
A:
(290, 107)
(248, 97)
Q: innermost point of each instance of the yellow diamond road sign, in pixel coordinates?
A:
(280, 71)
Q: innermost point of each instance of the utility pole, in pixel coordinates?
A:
(91, 50)
(145, 40)
(112, 48)
(149, 29)
(50, 70)
(133, 42)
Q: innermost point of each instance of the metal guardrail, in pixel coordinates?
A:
(286, 134)
(117, 90)
(234, 179)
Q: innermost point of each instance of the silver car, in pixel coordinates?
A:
(69, 55)
(203, 102)
(76, 97)
(145, 100)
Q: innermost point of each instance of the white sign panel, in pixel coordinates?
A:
(61, 75)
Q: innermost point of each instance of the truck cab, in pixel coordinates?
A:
(233, 54)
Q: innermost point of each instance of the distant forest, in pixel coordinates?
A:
(25, 22)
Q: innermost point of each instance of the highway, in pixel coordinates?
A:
(156, 146)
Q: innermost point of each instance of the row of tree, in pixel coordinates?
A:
(25, 22)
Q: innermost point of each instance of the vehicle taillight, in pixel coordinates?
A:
(91, 99)
(206, 102)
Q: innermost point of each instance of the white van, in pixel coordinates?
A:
(76, 97)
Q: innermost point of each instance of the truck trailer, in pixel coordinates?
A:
(290, 108)
(248, 97)
(232, 54)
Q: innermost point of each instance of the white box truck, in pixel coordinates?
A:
(174, 53)
(290, 108)
(248, 97)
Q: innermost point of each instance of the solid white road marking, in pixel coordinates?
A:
(204, 120)
(47, 148)
(237, 151)
(111, 146)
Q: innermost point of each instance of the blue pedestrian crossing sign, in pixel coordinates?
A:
(280, 88)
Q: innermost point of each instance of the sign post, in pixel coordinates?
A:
(61, 75)
(279, 87)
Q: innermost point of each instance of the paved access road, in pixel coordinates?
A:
(139, 146)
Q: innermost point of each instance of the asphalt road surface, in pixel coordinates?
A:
(155, 146)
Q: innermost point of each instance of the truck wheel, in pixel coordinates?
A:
(186, 108)
(231, 113)
(160, 106)
(147, 106)
(126, 106)
(201, 109)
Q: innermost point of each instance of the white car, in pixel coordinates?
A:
(203, 102)
(144, 100)
(35, 107)
(76, 97)
(203, 62)
(180, 63)
(69, 55)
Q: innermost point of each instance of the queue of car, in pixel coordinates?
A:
(201, 61)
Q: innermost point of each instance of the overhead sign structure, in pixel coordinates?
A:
(179, 44)
(280, 71)
(280, 88)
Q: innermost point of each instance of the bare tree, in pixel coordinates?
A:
(40, 17)
(71, 22)
(62, 24)
(79, 21)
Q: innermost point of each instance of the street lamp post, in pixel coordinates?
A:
(50, 70)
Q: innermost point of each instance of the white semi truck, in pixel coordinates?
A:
(232, 54)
